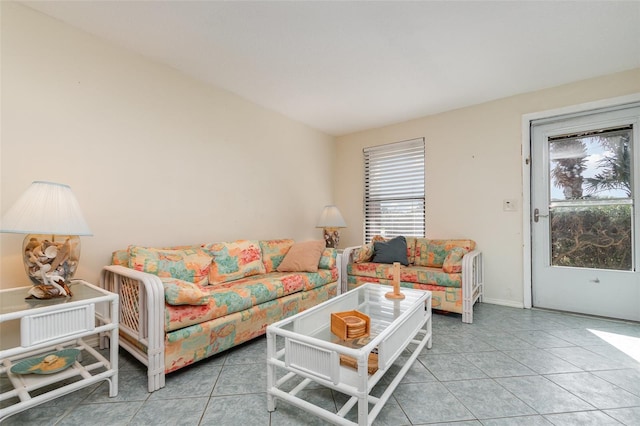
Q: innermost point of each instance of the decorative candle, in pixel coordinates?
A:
(395, 294)
(396, 276)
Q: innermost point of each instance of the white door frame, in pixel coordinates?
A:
(526, 174)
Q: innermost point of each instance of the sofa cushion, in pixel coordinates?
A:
(226, 298)
(273, 251)
(328, 258)
(442, 298)
(408, 274)
(394, 250)
(311, 280)
(198, 341)
(453, 262)
(432, 253)
(234, 260)
(303, 257)
(188, 264)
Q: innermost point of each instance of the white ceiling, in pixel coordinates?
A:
(342, 67)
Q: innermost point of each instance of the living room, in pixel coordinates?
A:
(160, 158)
(148, 140)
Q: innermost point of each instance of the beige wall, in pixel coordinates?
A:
(473, 163)
(154, 158)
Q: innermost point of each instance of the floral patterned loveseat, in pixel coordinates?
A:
(179, 305)
(451, 269)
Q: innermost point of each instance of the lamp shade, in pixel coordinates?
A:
(331, 218)
(46, 208)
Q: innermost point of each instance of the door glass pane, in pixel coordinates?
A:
(591, 206)
(592, 166)
(591, 237)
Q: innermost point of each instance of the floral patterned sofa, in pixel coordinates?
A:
(179, 305)
(451, 269)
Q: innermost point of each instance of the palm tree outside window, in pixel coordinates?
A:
(591, 203)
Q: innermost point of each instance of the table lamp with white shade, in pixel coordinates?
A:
(50, 214)
(331, 220)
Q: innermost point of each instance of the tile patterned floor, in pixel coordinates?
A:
(510, 367)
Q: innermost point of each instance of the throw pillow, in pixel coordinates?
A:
(273, 251)
(120, 257)
(411, 249)
(188, 264)
(453, 262)
(394, 250)
(303, 257)
(328, 258)
(235, 260)
(363, 254)
(178, 292)
(431, 253)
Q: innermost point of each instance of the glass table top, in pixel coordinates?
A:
(14, 299)
(368, 299)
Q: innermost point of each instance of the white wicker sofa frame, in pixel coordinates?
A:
(141, 317)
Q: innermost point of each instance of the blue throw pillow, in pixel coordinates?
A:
(394, 250)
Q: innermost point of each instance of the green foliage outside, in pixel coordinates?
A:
(592, 237)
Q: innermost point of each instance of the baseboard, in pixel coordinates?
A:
(502, 302)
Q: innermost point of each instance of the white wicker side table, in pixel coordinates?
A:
(32, 328)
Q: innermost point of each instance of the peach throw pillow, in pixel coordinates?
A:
(302, 257)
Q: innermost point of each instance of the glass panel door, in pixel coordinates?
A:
(584, 183)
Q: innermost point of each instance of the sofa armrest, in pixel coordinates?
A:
(141, 317)
(472, 283)
(347, 257)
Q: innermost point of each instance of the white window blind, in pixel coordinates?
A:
(394, 201)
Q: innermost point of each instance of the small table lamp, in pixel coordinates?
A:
(50, 214)
(331, 220)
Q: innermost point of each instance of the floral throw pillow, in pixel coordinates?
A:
(187, 264)
(363, 254)
(273, 251)
(328, 259)
(453, 262)
(235, 260)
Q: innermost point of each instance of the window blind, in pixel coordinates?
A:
(394, 197)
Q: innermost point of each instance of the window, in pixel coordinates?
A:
(394, 202)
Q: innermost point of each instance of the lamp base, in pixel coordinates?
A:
(50, 259)
(49, 291)
(331, 237)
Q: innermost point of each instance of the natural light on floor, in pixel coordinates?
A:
(627, 344)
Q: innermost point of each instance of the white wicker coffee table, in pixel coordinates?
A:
(302, 349)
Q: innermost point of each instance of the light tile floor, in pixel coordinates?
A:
(510, 367)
